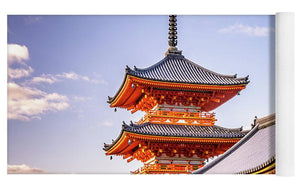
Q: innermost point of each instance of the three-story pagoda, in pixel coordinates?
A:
(178, 133)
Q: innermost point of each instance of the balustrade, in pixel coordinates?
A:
(177, 117)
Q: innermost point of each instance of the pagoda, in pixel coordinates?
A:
(178, 132)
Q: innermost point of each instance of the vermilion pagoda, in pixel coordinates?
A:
(178, 133)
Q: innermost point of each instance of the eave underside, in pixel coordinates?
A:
(175, 133)
(128, 141)
(143, 148)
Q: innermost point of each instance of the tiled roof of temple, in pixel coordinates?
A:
(183, 130)
(176, 68)
(252, 153)
(190, 131)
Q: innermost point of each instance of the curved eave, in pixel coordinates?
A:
(116, 144)
(107, 147)
(267, 167)
(183, 139)
(127, 89)
(111, 99)
(121, 143)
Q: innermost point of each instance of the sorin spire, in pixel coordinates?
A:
(173, 35)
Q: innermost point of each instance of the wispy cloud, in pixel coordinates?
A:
(74, 76)
(107, 123)
(23, 169)
(240, 28)
(26, 103)
(44, 78)
(19, 72)
(81, 98)
(9, 31)
(50, 79)
(70, 75)
(99, 81)
(32, 19)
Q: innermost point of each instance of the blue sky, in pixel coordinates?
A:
(62, 68)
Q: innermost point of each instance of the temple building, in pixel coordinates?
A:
(178, 132)
(253, 154)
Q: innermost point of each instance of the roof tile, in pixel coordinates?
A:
(183, 130)
(176, 68)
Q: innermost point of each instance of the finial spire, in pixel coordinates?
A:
(173, 30)
(173, 36)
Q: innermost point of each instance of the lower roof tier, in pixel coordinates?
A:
(173, 133)
(183, 130)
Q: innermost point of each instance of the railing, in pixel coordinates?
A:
(181, 114)
(167, 168)
(173, 117)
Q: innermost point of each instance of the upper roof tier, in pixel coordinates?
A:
(176, 68)
(171, 74)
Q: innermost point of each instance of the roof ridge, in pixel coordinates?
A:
(230, 129)
(150, 67)
(266, 121)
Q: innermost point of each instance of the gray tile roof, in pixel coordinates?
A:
(191, 131)
(255, 149)
(183, 130)
(176, 68)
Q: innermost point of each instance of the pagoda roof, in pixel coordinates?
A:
(176, 68)
(187, 131)
(252, 153)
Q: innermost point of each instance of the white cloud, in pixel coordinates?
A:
(19, 72)
(25, 103)
(85, 78)
(50, 79)
(17, 53)
(107, 123)
(81, 98)
(248, 30)
(74, 76)
(44, 78)
(23, 169)
(99, 81)
(32, 19)
(70, 75)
